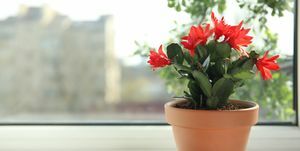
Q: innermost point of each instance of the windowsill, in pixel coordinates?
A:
(128, 138)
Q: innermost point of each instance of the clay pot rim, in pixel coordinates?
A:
(252, 106)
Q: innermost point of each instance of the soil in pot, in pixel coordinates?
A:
(227, 106)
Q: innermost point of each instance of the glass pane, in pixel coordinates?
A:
(73, 61)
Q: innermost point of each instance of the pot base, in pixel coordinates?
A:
(211, 139)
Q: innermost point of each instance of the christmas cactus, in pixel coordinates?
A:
(214, 61)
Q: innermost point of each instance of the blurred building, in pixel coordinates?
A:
(46, 57)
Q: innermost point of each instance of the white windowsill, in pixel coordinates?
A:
(128, 138)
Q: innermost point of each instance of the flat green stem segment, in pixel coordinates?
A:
(203, 82)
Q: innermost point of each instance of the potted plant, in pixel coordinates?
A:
(215, 64)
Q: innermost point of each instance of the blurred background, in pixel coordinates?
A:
(85, 60)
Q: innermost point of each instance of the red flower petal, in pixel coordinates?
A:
(273, 58)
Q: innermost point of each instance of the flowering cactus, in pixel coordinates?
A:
(214, 61)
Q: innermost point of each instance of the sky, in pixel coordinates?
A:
(142, 20)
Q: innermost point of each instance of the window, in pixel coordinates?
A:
(72, 61)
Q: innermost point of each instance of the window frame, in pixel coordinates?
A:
(296, 97)
(295, 62)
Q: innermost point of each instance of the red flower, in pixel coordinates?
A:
(220, 28)
(235, 36)
(159, 59)
(197, 36)
(265, 64)
(238, 38)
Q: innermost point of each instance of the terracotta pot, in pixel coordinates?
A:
(211, 130)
